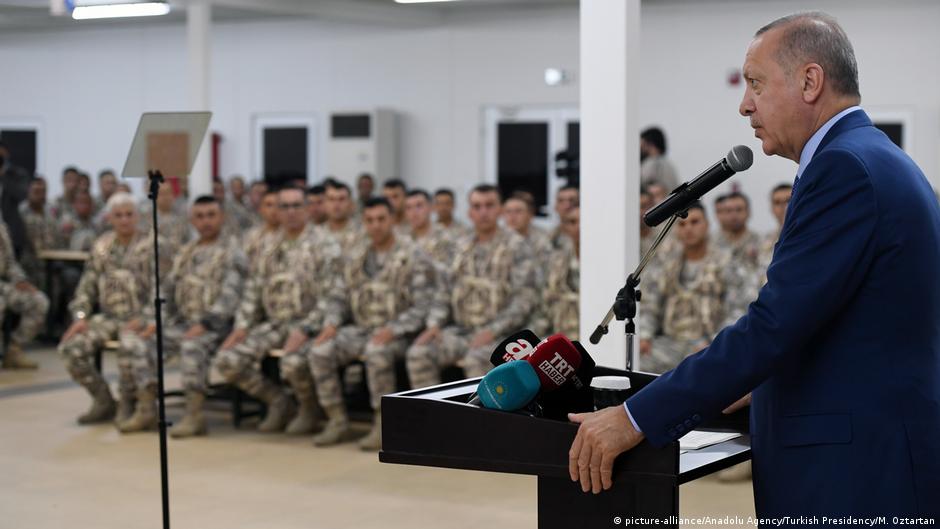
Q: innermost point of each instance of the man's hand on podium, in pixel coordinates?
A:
(602, 436)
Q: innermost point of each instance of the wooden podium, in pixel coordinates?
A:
(435, 427)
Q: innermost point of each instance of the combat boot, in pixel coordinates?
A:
(337, 427)
(125, 408)
(193, 422)
(373, 441)
(145, 415)
(280, 409)
(14, 358)
(102, 407)
(307, 418)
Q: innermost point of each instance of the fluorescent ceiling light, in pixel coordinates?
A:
(140, 9)
(421, 1)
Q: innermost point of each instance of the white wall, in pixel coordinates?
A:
(688, 47)
(88, 87)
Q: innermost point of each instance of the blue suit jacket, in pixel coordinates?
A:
(841, 348)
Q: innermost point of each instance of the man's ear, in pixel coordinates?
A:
(812, 80)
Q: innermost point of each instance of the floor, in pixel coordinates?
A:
(56, 474)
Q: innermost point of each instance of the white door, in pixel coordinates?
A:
(520, 148)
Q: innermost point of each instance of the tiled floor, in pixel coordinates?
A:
(56, 474)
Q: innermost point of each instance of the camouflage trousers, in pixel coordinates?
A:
(451, 346)
(137, 361)
(31, 306)
(241, 364)
(667, 352)
(350, 344)
(78, 352)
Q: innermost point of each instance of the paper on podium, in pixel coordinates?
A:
(697, 439)
(167, 142)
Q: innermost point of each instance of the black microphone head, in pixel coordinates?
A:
(740, 158)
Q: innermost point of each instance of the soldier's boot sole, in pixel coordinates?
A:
(14, 358)
(334, 434)
(145, 414)
(125, 409)
(102, 408)
(372, 442)
(304, 422)
(191, 425)
(280, 410)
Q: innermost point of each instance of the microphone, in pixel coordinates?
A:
(556, 361)
(509, 387)
(513, 385)
(739, 159)
(516, 347)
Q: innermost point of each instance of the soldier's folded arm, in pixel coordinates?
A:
(219, 315)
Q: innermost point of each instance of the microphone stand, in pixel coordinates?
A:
(156, 178)
(624, 307)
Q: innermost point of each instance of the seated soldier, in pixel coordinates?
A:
(117, 281)
(394, 191)
(40, 230)
(444, 203)
(390, 284)
(779, 198)
(340, 210)
(564, 280)
(518, 212)
(21, 297)
(733, 211)
(174, 226)
(436, 241)
(202, 291)
(316, 205)
(567, 197)
(488, 294)
(295, 292)
(258, 240)
(688, 298)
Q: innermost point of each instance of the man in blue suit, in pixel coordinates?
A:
(842, 346)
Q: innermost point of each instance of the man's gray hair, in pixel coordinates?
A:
(120, 199)
(817, 37)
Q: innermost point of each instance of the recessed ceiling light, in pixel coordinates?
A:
(139, 9)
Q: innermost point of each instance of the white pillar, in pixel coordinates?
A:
(198, 37)
(610, 165)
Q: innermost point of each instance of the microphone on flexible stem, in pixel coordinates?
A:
(739, 158)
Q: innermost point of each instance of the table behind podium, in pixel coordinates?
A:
(435, 427)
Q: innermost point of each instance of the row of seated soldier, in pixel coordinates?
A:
(326, 283)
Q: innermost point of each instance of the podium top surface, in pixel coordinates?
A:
(436, 427)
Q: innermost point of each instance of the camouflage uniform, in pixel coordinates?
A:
(31, 306)
(540, 244)
(83, 234)
(256, 243)
(766, 254)
(490, 286)
(297, 285)
(347, 238)
(41, 231)
(202, 287)
(238, 216)
(686, 303)
(174, 228)
(456, 230)
(438, 244)
(746, 249)
(562, 293)
(118, 280)
(390, 289)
